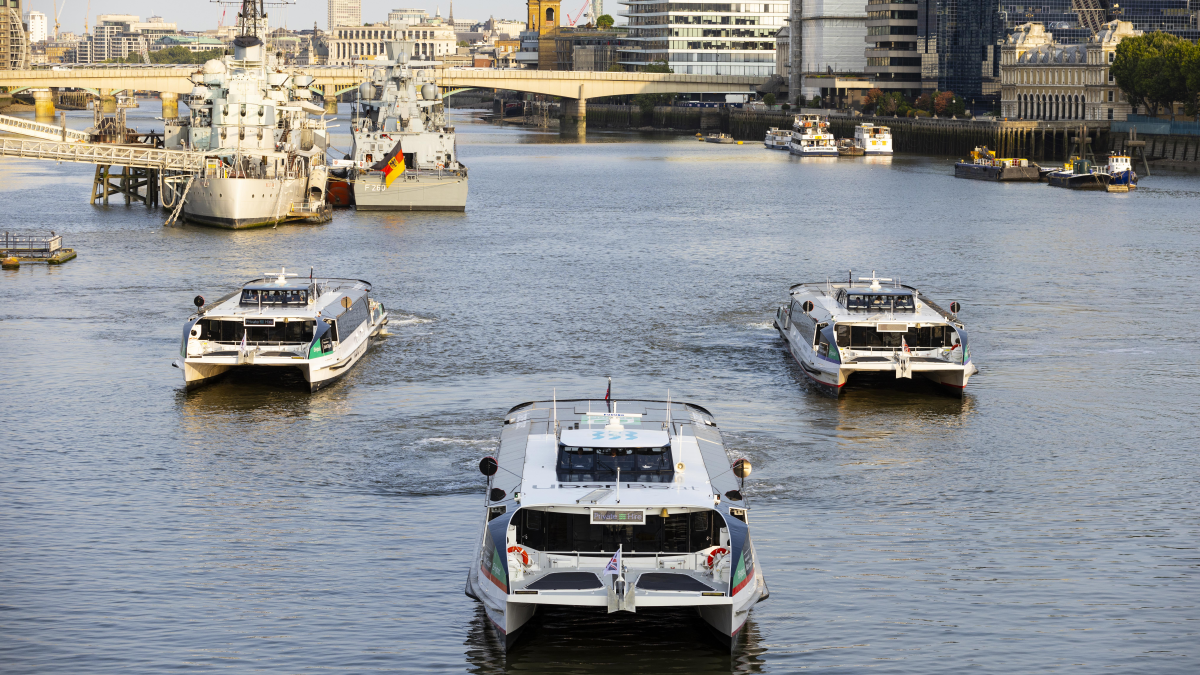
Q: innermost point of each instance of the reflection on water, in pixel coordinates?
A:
(1044, 522)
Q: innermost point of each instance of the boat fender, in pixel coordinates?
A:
(523, 554)
(715, 556)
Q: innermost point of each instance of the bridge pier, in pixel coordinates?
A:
(574, 116)
(43, 103)
(170, 104)
(331, 103)
(108, 102)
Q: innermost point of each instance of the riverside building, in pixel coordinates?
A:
(893, 61)
(1044, 80)
(703, 38)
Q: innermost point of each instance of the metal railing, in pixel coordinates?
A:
(36, 245)
(49, 132)
(105, 154)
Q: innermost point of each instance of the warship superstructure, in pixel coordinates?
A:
(264, 140)
(400, 105)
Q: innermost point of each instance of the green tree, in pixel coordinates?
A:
(604, 22)
(924, 102)
(616, 68)
(816, 102)
(769, 99)
(1191, 74)
(659, 66)
(785, 107)
(1151, 70)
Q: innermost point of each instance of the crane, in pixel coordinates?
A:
(57, 14)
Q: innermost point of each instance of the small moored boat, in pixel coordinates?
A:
(847, 148)
(718, 138)
(874, 140)
(630, 510)
(777, 139)
(320, 326)
(835, 330)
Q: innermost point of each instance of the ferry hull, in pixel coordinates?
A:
(820, 151)
(242, 203)
(997, 173)
(319, 373)
(830, 379)
(420, 192)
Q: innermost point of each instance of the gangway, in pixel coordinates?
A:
(46, 132)
(140, 157)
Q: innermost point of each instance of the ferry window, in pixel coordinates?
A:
(567, 532)
(639, 465)
(903, 303)
(817, 333)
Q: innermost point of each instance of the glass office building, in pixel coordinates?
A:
(703, 38)
(1075, 21)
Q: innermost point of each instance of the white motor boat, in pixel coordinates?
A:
(320, 326)
(811, 137)
(570, 489)
(874, 140)
(777, 139)
(835, 330)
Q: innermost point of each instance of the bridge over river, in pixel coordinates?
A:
(329, 81)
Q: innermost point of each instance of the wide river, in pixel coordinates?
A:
(1047, 522)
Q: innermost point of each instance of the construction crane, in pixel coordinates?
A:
(58, 14)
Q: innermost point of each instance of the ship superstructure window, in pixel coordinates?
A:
(274, 297)
(638, 465)
(880, 303)
(568, 532)
(866, 337)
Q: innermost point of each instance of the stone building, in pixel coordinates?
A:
(431, 41)
(1042, 80)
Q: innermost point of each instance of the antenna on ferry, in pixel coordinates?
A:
(670, 428)
(555, 404)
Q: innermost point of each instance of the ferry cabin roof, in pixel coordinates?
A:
(544, 469)
(270, 298)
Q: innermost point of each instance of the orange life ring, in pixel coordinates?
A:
(524, 555)
(715, 552)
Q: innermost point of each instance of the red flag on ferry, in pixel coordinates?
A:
(608, 395)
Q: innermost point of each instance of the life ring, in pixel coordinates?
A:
(720, 550)
(524, 555)
(440, 166)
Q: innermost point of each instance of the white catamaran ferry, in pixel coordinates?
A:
(647, 493)
(835, 330)
(320, 326)
(811, 137)
(777, 139)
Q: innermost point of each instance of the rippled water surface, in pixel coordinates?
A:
(1044, 523)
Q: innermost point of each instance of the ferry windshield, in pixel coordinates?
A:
(274, 297)
(638, 465)
(880, 303)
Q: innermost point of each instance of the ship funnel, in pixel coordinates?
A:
(247, 48)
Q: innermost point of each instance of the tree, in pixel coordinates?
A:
(871, 100)
(941, 103)
(1151, 69)
(1191, 73)
(924, 102)
(176, 54)
(659, 66)
(769, 99)
(616, 68)
(604, 22)
(785, 107)
(816, 102)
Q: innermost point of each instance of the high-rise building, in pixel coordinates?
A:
(712, 38)
(14, 45)
(893, 61)
(345, 13)
(116, 36)
(36, 26)
(968, 50)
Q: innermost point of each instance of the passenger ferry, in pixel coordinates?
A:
(874, 140)
(777, 139)
(320, 326)
(835, 330)
(638, 508)
(811, 137)
(984, 165)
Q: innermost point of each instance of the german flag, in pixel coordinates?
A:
(392, 165)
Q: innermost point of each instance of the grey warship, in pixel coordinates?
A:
(400, 104)
(264, 141)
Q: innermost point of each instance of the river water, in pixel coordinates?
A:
(1044, 523)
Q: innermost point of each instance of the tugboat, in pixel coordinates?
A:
(811, 137)
(874, 140)
(404, 156)
(635, 506)
(321, 326)
(718, 138)
(835, 330)
(1080, 174)
(848, 148)
(984, 165)
(265, 155)
(777, 139)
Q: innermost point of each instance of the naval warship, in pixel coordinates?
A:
(400, 109)
(264, 141)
